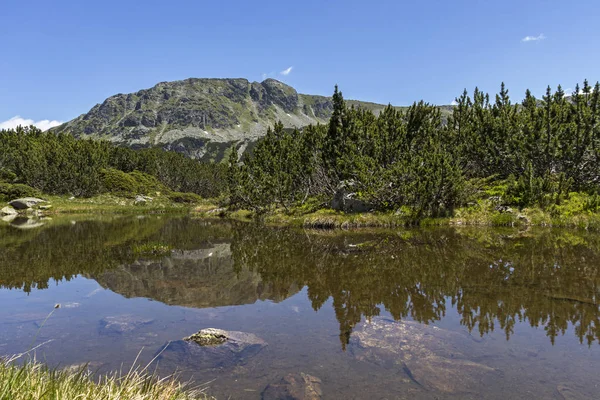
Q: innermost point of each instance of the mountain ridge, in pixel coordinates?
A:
(202, 117)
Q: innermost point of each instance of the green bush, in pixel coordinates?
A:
(119, 182)
(10, 191)
(188, 198)
(7, 175)
(147, 184)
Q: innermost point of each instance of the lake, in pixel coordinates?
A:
(440, 313)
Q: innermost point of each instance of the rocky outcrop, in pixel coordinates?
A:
(201, 118)
(434, 358)
(294, 387)
(211, 349)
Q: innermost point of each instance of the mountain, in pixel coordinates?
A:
(202, 118)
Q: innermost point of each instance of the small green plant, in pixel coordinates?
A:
(186, 198)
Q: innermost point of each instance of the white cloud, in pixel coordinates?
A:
(44, 124)
(287, 71)
(454, 103)
(537, 38)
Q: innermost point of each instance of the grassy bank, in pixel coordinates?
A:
(33, 380)
(569, 215)
(111, 204)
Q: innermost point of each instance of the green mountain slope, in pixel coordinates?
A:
(202, 118)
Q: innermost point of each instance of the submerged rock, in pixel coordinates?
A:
(568, 392)
(26, 202)
(434, 358)
(121, 324)
(211, 348)
(294, 387)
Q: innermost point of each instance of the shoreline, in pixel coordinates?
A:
(322, 219)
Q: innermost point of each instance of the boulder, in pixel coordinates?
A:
(141, 200)
(294, 387)
(118, 325)
(434, 358)
(345, 200)
(26, 202)
(8, 211)
(211, 348)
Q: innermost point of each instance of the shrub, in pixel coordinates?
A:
(11, 191)
(147, 183)
(119, 182)
(188, 198)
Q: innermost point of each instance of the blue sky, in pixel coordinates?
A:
(59, 58)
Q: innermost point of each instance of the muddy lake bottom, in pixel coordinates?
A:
(415, 314)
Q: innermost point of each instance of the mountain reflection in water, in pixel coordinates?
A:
(495, 279)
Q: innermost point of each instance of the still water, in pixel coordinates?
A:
(416, 314)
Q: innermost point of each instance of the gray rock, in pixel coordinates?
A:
(227, 349)
(294, 387)
(504, 209)
(26, 202)
(568, 392)
(346, 201)
(141, 200)
(118, 325)
(435, 358)
(8, 211)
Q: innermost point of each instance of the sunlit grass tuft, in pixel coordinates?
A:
(33, 380)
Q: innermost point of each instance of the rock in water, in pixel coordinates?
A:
(294, 387)
(434, 358)
(8, 211)
(121, 324)
(26, 202)
(211, 348)
(568, 392)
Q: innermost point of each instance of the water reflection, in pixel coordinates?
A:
(495, 279)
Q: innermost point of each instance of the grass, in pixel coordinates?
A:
(480, 214)
(110, 204)
(33, 380)
(23, 378)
